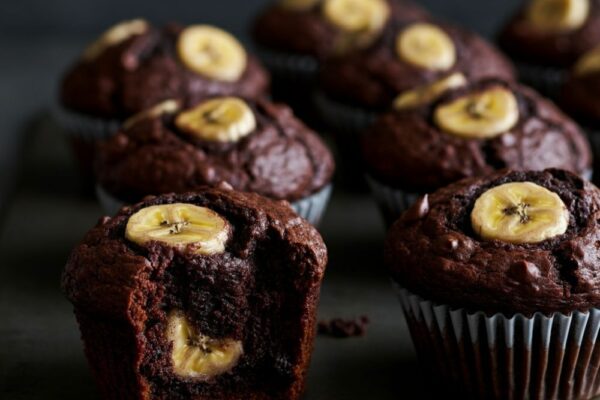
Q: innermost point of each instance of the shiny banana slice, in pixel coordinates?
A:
(589, 63)
(115, 35)
(357, 16)
(298, 5)
(480, 115)
(558, 15)
(165, 107)
(426, 46)
(223, 119)
(519, 212)
(428, 93)
(212, 52)
(198, 356)
(179, 225)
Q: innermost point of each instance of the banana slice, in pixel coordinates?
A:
(357, 16)
(224, 119)
(479, 116)
(298, 5)
(426, 46)
(115, 35)
(212, 52)
(519, 212)
(198, 356)
(428, 93)
(589, 63)
(558, 15)
(166, 107)
(179, 225)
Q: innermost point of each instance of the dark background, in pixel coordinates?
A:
(44, 216)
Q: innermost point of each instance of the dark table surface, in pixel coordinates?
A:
(42, 215)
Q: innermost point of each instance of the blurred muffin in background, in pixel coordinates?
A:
(293, 36)
(473, 129)
(546, 37)
(135, 65)
(254, 145)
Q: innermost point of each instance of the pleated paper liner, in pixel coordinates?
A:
(474, 355)
(311, 208)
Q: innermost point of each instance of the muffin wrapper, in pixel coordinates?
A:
(295, 69)
(496, 357)
(546, 80)
(310, 208)
(345, 120)
(81, 126)
(391, 201)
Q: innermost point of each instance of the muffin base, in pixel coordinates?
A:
(290, 67)
(311, 208)
(496, 357)
(546, 80)
(82, 133)
(391, 201)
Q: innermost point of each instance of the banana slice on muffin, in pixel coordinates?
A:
(179, 225)
(558, 15)
(519, 212)
(480, 115)
(212, 52)
(426, 46)
(223, 119)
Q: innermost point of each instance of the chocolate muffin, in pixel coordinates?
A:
(497, 278)
(472, 129)
(545, 37)
(205, 295)
(254, 145)
(294, 36)
(134, 65)
(354, 87)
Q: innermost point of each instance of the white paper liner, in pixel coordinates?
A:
(295, 69)
(546, 80)
(82, 126)
(310, 208)
(392, 202)
(496, 357)
(342, 118)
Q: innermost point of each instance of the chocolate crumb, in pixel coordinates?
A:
(344, 328)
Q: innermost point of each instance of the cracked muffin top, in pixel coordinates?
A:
(134, 65)
(551, 32)
(470, 130)
(409, 55)
(322, 28)
(255, 146)
(512, 242)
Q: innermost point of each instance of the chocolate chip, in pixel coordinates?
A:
(524, 271)
(417, 210)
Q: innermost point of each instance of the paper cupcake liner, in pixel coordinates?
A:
(345, 120)
(392, 202)
(546, 80)
(497, 357)
(310, 208)
(294, 69)
(85, 127)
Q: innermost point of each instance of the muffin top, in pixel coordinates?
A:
(214, 229)
(408, 55)
(322, 28)
(134, 65)
(552, 32)
(512, 242)
(255, 146)
(471, 130)
(580, 94)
